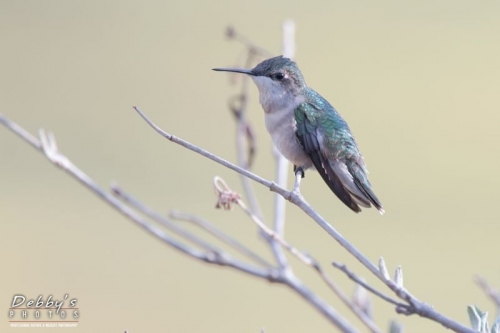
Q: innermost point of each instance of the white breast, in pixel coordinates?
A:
(281, 125)
(279, 105)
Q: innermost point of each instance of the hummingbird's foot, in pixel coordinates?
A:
(300, 170)
(299, 174)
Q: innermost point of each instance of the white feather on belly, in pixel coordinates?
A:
(281, 126)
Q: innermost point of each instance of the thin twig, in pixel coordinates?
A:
(130, 200)
(228, 196)
(293, 282)
(46, 144)
(219, 234)
(358, 311)
(365, 285)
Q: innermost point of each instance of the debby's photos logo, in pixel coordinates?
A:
(43, 312)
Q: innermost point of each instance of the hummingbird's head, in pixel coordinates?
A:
(278, 76)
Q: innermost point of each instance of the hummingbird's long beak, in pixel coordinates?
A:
(234, 70)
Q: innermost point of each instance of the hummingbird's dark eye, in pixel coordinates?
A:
(279, 76)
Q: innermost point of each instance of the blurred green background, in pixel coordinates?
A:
(418, 83)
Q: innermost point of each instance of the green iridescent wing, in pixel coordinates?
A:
(306, 117)
(327, 140)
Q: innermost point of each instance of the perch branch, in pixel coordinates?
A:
(418, 307)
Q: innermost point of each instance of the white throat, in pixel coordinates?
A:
(273, 96)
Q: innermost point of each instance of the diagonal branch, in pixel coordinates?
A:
(420, 308)
(219, 234)
(47, 145)
(130, 200)
(365, 285)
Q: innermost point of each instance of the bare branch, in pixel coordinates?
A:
(130, 200)
(127, 198)
(228, 197)
(358, 311)
(47, 145)
(365, 285)
(205, 153)
(219, 234)
(293, 282)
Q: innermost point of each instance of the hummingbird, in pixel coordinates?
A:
(310, 133)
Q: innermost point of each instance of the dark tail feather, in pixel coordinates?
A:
(364, 186)
(335, 184)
